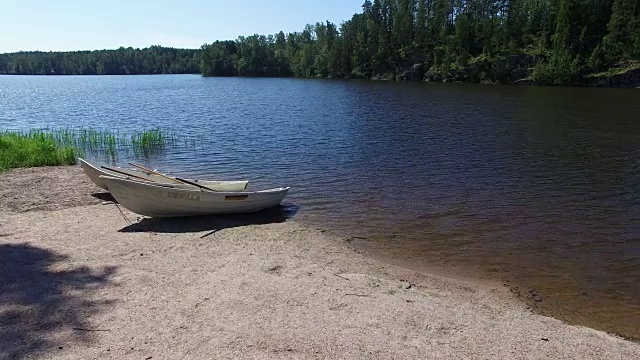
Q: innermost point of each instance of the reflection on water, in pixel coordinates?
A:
(535, 186)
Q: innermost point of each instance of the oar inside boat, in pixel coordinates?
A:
(194, 184)
(176, 179)
(155, 172)
(124, 173)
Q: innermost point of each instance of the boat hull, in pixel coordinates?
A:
(160, 201)
(94, 173)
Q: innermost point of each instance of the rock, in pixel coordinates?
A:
(628, 76)
(524, 82)
(434, 78)
(407, 285)
(535, 296)
(417, 72)
(277, 269)
(384, 77)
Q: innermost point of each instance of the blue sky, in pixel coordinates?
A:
(60, 25)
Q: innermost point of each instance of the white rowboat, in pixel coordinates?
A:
(158, 200)
(93, 173)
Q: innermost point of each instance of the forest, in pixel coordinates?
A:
(554, 42)
(123, 61)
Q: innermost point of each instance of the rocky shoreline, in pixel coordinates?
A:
(626, 76)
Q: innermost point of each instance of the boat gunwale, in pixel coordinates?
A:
(195, 190)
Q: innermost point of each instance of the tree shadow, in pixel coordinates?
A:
(212, 223)
(41, 308)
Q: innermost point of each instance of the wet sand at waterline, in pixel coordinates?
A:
(78, 281)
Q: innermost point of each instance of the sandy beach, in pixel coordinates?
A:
(81, 278)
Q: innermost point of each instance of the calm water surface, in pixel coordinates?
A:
(537, 187)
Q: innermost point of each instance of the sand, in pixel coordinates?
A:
(77, 281)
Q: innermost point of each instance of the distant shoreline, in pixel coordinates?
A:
(625, 79)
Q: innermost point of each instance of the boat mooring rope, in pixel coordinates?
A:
(123, 215)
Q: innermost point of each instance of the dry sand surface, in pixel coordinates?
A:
(78, 282)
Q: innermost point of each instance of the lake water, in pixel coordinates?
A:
(535, 187)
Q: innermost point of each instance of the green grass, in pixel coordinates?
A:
(31, 150)
(61, 147)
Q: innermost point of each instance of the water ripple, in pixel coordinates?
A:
(535, 185)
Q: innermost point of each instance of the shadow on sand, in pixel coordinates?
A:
(105, 196)
(212, 223)
(42, 309)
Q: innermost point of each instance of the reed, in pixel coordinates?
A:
(149, 142)
(40, 147)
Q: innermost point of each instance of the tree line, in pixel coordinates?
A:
(549, 41)
(123, 61)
